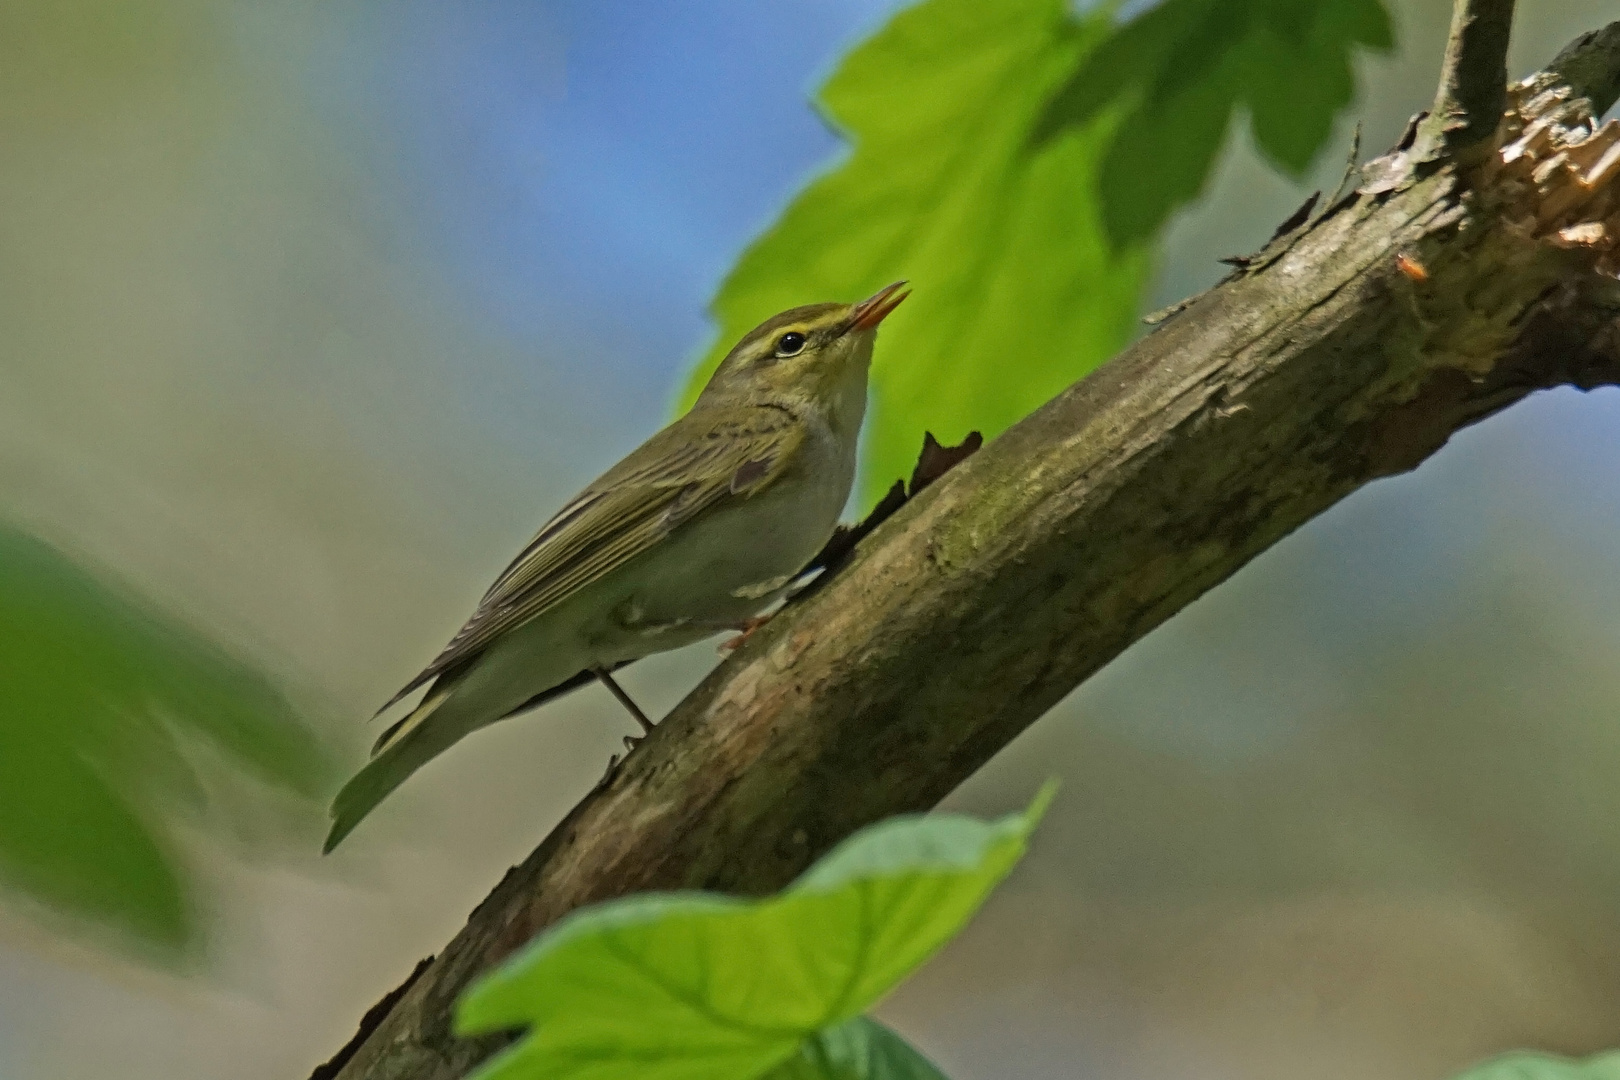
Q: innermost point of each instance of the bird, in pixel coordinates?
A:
(696, 532)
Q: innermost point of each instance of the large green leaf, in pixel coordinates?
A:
(1017, 290)
(97, 695)
(1526, 1065)
(1016, 163)
(683, 986)
(1184, 67)
(858, 1049)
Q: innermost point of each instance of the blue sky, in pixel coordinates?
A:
(588, 168)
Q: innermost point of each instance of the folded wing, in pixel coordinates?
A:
(723, 453)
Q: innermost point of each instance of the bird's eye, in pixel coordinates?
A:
(790, 343)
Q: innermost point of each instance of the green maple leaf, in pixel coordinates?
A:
(696, 986)
(858, 1049)
(1017, 290)
(1184, 68)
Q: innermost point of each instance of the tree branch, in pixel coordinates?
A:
(1473, 81)
(1591, 66)
(1347, 350)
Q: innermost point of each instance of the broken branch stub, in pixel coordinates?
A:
(1470, 100)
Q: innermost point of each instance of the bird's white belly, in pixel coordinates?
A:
(733, 566)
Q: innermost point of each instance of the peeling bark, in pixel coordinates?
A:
(1351, 348)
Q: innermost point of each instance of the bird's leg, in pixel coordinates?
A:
(624, 699)
(747, 628)
(612, 771)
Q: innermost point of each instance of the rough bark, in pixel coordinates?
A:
(1473, 79)
(1349, 349)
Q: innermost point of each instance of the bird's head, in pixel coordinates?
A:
(808, 352)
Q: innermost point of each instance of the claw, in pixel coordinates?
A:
(747, 626)
(612, 771)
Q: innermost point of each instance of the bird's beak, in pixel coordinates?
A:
(871, 311)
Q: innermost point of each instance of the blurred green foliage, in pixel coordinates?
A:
(1533, 1066)
(680, 985)
(99, 697)
(1016, 163)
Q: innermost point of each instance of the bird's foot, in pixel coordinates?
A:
(747, 626)
(615, 760)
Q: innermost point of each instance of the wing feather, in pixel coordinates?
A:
(702, 459)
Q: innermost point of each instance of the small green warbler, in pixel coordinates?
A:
(698, 530)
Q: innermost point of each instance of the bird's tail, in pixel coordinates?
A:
(425, 733)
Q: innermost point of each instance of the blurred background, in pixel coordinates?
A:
(313, 311)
